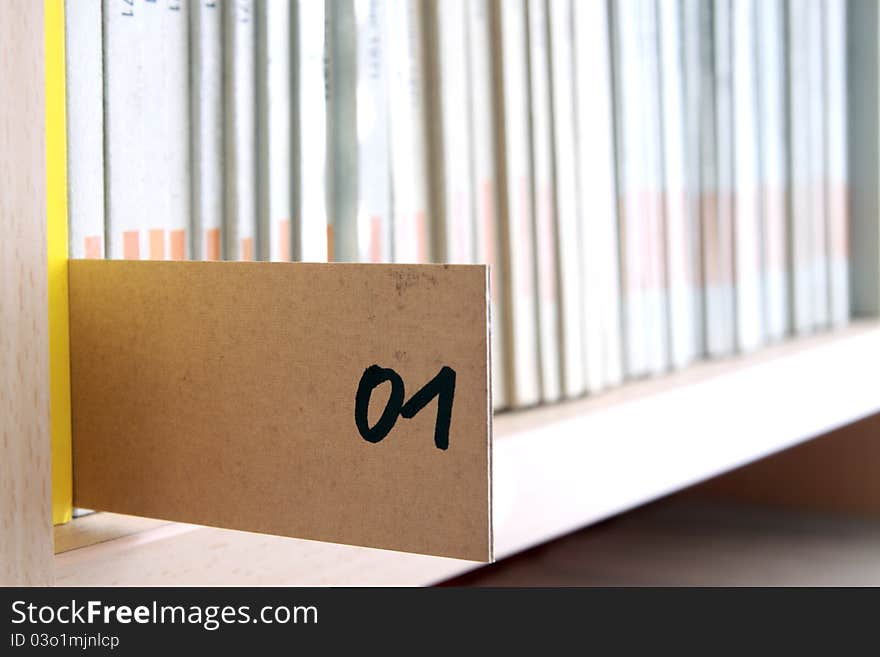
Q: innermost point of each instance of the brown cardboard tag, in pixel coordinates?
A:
(336, 402)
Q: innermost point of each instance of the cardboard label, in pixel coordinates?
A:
(336, 402)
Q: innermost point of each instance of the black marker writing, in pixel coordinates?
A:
(441, 386)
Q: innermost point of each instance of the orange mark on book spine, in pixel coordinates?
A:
(329, 243)
(131, 247)
(724, 219)
(376, 238)
(709, 207)
(658, 253)
(838, 215)
(212, 244)
(93, 247)
(247, 248)
(157, 244)
(284, 240)
(422, 229)
(177, 240)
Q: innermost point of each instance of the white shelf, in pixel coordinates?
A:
(556, 469)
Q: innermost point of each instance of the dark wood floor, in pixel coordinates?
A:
(685, 542)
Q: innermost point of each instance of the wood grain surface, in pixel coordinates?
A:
(25, 452)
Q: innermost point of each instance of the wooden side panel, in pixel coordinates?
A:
(25, 468)
(224, 394)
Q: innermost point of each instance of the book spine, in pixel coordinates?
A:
(817, 164)
(485, 184)
(654, 246)
(774, 176)
(803, 311)
(165, 145)
(175, 226)
(310, 121)
(542, 200)
(693, 39)
(747, 221)
(374, 157)
(206, 105)
(682, 261)
(597, 195)
(718, 224)
(837, 194)
(154, 50)
(155, 54)
(342, 180)
(412, 241)
(124, 88)
(704, 166)
(566, 203)
(240, 131)
(454, 210)
(632, 197)
(514, 175)
(274, 122)
(85, 128)
(592, 196)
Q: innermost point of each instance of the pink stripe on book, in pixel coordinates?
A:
(157, 244)
(131, 249)
(93, 247)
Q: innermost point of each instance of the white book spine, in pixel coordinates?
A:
(542, 201)
(837, 182)
(206, 104)
(818, 219)
(412, 241)
(274, 122)
(706, 170)
(682, 262)
(693, 39)
(85, 128)
(126, 195)
(374, 157)
(485, 184)
(565, 187)
(632, 184)
(154, 48)
(512, 148)
(718, 226)
(774, 185)
(342, 163)
(799, 165)
(241, 131)
(458, 220)
(310, 224)
(165, 52)
(655, 245)
(598, 195)
(747, 221)
(176, 224)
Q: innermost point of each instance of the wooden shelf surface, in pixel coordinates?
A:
(556, 469)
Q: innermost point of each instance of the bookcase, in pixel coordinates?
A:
(556, 468)
(25, 468)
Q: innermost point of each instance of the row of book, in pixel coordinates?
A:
(652, 181)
